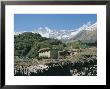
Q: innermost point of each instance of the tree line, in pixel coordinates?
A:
(28, 44)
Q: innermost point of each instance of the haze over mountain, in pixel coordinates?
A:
(86, 33)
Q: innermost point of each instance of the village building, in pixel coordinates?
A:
(63, 54)
(48, 53)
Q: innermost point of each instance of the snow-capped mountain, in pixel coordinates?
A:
(88, 35)
(44, 31)
(63, 34)
(92, 27)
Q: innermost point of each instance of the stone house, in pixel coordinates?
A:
(48, 53)
(63, 54)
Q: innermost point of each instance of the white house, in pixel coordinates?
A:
(48, 53)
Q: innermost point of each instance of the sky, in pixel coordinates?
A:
(31, 22)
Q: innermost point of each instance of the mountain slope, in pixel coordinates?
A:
(86, 36)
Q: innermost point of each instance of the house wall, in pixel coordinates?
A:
(54, 54)
(50, 54)
(44, 54)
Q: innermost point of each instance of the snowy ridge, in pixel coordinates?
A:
(62, 34)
